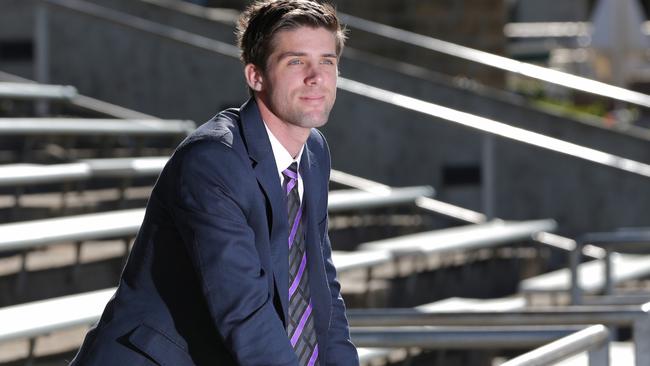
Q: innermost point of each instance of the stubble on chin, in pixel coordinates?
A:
(319, 120)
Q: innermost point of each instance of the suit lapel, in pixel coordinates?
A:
(259, 150)
(320, 293)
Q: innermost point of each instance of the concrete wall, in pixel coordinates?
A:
(141, 71)
(16, 19)
(550, 11)
(16, 28)
(581, 196)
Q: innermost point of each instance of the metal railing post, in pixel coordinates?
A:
(599, 356)
(641, 337)
(609, 282)
(42, 53)
(574, 264)
(488, 176)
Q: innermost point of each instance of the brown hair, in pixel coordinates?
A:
(262, 20)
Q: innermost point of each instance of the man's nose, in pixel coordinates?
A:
(314, 75)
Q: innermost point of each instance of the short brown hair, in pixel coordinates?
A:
(262, 20)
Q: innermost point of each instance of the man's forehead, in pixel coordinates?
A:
(303, 37)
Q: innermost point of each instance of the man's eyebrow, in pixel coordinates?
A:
(291, 54)
(300, 54)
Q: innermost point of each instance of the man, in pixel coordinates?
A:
(232, 264)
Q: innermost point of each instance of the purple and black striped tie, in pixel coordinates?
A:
(301, 323)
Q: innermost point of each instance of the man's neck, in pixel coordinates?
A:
(292, 137)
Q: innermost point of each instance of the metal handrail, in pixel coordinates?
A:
(85, 102)
(628, 239)
(624, 315)
(426, 203)
(472, 337)
(354, 199)
(11, 90)
(554, 29)
(547, 29)
(86, 126)
(31, 174)
(460, 238)
(567, 80)
(35, 318)
(593, 339)
(635, 316)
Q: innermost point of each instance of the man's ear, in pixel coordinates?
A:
(253, 77)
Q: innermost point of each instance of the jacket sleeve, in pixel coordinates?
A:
(210, 212)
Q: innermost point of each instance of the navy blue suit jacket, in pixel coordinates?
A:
(206, 282)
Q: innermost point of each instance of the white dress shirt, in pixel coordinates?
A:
(283, 159)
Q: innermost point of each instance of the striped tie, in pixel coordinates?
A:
(301, 323)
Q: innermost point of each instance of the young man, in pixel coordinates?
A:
(232, 264)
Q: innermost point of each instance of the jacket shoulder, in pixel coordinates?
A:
(223, 128)
(318, 145)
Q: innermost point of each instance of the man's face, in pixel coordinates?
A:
(300, 77)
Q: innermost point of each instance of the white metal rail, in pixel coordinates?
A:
(593, 339)
(10, 90)
(85, 103)
(451, 337)
(80, 126)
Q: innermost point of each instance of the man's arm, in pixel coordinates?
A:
(212, 221)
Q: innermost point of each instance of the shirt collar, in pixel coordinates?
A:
(282, 157)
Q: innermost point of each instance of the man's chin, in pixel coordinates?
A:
(313, 120)
(316, 123)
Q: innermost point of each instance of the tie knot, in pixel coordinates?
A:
(292, 171)
(291, 177)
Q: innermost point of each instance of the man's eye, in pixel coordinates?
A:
(327, 61)
(295, 62)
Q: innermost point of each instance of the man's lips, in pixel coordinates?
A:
(314, 101)
(312, 98)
